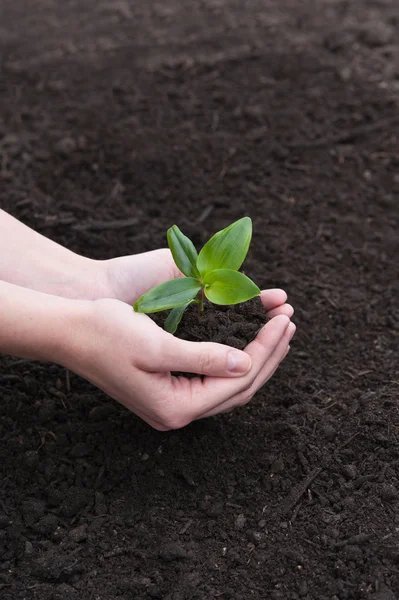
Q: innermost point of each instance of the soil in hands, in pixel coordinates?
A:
(235, 325)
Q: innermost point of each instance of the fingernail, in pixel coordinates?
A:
(238, 362)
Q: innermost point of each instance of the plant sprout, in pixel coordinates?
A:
(211, 274)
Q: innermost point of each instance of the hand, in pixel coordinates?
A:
(129, 357)
(126, 278)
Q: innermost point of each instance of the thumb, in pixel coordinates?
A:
(206, 358)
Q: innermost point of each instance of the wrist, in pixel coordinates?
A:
(38, 263)
(79, 278)
(89, 280)
(76, 338)
(39, 326)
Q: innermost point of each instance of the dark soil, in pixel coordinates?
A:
(148, 114)
(235, 325)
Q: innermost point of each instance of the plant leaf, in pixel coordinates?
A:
(225, 286)
(227, 249)
(174, 317)
(170, 294)
(183, 251)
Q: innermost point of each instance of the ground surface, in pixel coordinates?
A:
(198, 113)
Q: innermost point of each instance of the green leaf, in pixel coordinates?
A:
(168, 295)
(183, 251)
(174, 317)
(225, 286)
(227, 249)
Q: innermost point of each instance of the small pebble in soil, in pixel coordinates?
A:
(240, 521)
(47, 524)
(52, 566)
(28, 548)
(4, 521)
(78, 534)
(278, 466)
(350, 471)
(389, 493)
(31, 459)
(302, 588)
(32, 511)
(385, 595)
(376, 33)
(64, 592)
(101, 413)
(255, 536)
(173, 551)
(262, 523)
(75, 499)
(81, 449)
(65, 146)
(329, 433)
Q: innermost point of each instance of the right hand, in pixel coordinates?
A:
(129, 357)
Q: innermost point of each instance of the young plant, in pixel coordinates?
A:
(211, 274)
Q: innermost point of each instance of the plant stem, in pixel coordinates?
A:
(201, 297)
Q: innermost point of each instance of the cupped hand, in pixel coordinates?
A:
(129, 357)
(128, 277)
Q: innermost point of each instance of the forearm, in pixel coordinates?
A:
(31, 260)
(38, 326)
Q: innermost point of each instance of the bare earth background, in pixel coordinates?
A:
(198, 113)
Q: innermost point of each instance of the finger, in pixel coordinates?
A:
(271, 366)
(167, 418)
(211, 392)
(204, 358)
(273, 298)
(173, 402)
(284, 309)
(274, 302)
(264, 375)
(224, 409)
(168, 353)
(260, 349)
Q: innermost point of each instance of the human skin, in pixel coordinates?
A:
(61, 307)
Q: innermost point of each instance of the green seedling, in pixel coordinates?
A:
(211, 274)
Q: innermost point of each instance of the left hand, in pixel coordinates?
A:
(128, 277)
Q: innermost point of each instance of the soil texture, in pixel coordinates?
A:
(118, 119)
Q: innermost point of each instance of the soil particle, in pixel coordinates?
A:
(376, 33)
(386, 595)
(31, 459)
(389, 493)
(240, 521)
(173, 551)
(32, 510)
(65, 146)
(47, 524)
(78, 534)
(350, 471)
(80, 450)
(55, 566)
(64, 592)
(4, 521)
(75, 499)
